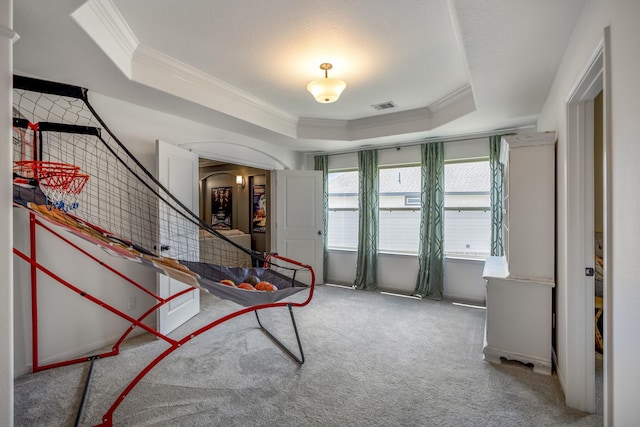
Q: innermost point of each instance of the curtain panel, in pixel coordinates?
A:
(430, 281)
(321, 163)
(367, 259)
(497, 195)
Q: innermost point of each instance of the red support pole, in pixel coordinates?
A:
(34, 293)
(107, 419)
(35, 267)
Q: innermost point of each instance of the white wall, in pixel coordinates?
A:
(70, 325)
(397, 273)
(138, 127)
(6, 230)
(622, 313)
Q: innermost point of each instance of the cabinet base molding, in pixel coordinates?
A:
(494, 355)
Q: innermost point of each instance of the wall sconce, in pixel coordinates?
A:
(240, 181)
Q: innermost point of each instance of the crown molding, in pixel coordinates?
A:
(460, 95)
(450, 107)
(163, 72)
(104, 23)
(106, 26)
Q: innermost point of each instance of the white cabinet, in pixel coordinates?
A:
(529, 234)
(520, 283)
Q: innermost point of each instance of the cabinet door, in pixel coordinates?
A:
(530, 207)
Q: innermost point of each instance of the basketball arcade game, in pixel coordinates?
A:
(74, 176)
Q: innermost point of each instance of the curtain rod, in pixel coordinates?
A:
(459, 138)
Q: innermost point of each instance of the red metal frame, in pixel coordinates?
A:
(107, 418)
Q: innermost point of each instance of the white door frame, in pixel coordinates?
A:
(7, 37)
(580, 372)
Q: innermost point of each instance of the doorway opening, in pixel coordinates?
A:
(234, 199)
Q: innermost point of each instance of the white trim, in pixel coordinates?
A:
(608, 393)
(7, 357)
(102, 21)
(214, 93)
(589, 83)
(462, 94)
(337, 285)
(580, 358)
(420, 141)
(270, 161)
(495, 355)
(524, 140)
(451, 106)
(394, 294)
(8, 33)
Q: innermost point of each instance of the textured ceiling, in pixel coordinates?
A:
(451, 67)
(272, 49)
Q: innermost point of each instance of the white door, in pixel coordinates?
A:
(178, 172)
(300, 218)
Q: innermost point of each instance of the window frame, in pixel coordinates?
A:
(412, 208)
(329, 209)
(454, 255)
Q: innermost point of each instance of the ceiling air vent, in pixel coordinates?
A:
(384, 105)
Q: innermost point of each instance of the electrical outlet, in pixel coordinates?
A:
(132, 303)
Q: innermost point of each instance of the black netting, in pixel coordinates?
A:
(67, 163)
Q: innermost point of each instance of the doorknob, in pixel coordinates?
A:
(319, 233)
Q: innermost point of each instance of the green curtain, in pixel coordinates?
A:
(321, 163)
(497, 195)
(430, 282)
(367, 261)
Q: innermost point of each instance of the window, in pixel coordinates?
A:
(467, 222)
(343, 210)
(467, 201)
(399, 209)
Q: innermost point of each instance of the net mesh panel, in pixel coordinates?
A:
(56, 123)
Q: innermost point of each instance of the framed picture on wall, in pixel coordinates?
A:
(221, 208)
(259, 205)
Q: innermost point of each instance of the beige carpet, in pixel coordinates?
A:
(371, 360)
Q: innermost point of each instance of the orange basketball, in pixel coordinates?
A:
(266, 286)
(246, 286)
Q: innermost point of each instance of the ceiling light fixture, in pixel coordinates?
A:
(328, 89)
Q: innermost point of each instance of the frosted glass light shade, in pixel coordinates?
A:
(326, 90)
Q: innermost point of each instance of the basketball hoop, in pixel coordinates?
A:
(60, 182)
(70, 197)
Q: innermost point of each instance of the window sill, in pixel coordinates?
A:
(341, 250)
(452, 258)
(463, 259)
(398, 253)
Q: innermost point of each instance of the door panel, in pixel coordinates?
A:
(178, 172)
(299, 218)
